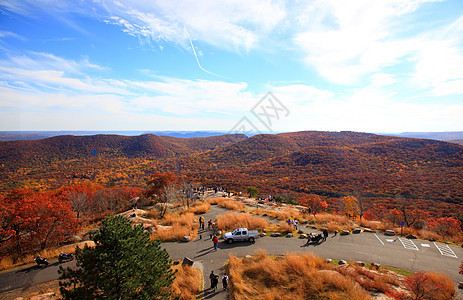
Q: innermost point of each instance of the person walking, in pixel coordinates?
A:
(225, 282)
(295, 223)
(215, 282)
(211, 277)
(215, 240)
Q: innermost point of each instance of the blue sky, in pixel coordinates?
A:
(361, 65)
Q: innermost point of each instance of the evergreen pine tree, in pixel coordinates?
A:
(124, 264)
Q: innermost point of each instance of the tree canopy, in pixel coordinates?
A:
(124, 264)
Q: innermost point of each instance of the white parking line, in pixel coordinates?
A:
(445, 250)
(379, 239)
(408, 244)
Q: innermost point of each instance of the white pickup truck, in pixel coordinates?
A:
(241, 234)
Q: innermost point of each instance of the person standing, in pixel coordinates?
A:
(225, 282)
(295, 223)
(325, 234)
(215, 240)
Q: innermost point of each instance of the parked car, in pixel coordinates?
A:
(241, 234)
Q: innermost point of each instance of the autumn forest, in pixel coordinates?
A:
(49, 186)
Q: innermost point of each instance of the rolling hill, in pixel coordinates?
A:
(330, 164)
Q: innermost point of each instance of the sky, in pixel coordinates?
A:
(232, 65)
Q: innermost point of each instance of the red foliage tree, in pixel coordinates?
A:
(313, 202)
(446, 226)
(425, 286)
(34, 220)
(158, 182)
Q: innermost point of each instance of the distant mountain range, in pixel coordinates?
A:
(39, 135)
(450, 136)
(330, 164)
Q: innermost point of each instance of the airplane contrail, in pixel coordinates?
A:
(196, 56)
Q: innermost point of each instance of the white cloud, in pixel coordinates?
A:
(232, 25)
(355, 38)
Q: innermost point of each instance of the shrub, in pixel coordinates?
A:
(426, 285)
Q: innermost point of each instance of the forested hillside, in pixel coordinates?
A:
(330, 164)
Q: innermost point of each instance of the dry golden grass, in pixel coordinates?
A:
(285, 227)
(187, 283)
(199, 207)
(282, 214)
(179, 225)
(233, 220)
(228, 203)
(296, 276)
(326, 218)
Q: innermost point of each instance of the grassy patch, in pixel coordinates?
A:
(233, 220)
(188, 282)
(228, 203)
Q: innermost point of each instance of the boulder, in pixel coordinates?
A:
(311, 222)
(186, 238)
(345, 232)
(303, 236)
(342, 262)
(187, 262)
(75, 239)
(289, 235)
(275, 234)
(360, 263)
(304, 222)
(264, 215)
(328, 260)
(369, 230)
(357, 230)
(460, 285)
(375, 266)
(47, 296)
(432, 239)
(411, 237)
(300, 231)
(389, 233)
(261, 234)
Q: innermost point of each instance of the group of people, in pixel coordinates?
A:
(201, 222)
(292, 222)
(215, 281)
(317, 237)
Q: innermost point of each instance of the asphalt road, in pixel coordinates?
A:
(367, 247)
